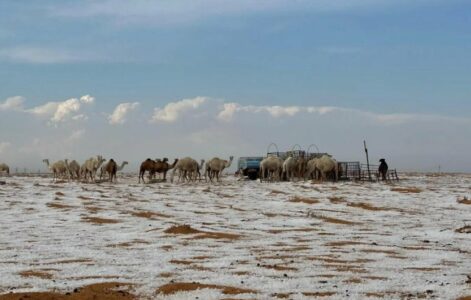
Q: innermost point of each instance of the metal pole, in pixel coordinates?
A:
(367, 161)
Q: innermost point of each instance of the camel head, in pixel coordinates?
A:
(174, 163)
(46, 161)
(227, 164)
(125, 163)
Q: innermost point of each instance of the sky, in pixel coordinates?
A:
(136, 79)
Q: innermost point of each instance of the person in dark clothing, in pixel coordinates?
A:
(383, 168)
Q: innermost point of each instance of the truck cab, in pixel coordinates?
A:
(249, 166)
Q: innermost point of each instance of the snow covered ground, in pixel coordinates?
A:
(244, 239)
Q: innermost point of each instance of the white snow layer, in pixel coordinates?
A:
(401, 244)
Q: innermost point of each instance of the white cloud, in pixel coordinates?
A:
(173, 110)
(4, 146)
(189, 11)
(87, 99)
(62, 111)
(42, 55)
(80, 117)
(228, 111)
(279, 111)
(322, 110)
(119, 114)
(12, 103)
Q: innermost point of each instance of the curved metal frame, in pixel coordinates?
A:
(309, 148)
(294, 146)
(269, 146)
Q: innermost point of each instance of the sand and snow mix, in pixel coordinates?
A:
(240, 239)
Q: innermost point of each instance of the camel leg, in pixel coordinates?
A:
(141, 175)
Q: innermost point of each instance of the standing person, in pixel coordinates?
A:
(383, 168)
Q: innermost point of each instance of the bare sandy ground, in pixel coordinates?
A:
(236, 239)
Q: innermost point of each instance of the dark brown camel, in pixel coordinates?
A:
(147, 165)
(111, 168)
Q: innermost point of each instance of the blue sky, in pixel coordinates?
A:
(383, 57)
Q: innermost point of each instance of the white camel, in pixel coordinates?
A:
(311, 169)
(194, 174)
(73, 168)
(327, 165)
(290, 168)
(90, 167)
(215, 166)
(4, 168)
(188, 169)
(58, 168)
(271, 168)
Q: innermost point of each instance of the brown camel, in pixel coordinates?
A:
(163, 166)
(146, 166)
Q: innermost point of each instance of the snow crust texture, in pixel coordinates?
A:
(240, 239)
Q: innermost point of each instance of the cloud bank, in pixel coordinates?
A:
(203, 127)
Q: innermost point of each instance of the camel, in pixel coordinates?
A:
(58, 168)
(73, 168)
(326, 165)
(311, 169)
(215, 166)
(162, 166)
(271, 168)
(5, 168)
(290, 168)
(111, 168)
(91, 165)
(146, 166)
(187, 167)
(301, 166)
(118, 168)
(193, 173)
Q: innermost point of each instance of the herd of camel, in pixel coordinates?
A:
(186, 168)
(272, 168)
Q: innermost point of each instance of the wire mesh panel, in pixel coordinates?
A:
(349, 170)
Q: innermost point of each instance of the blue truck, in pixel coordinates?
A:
(249, 166)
